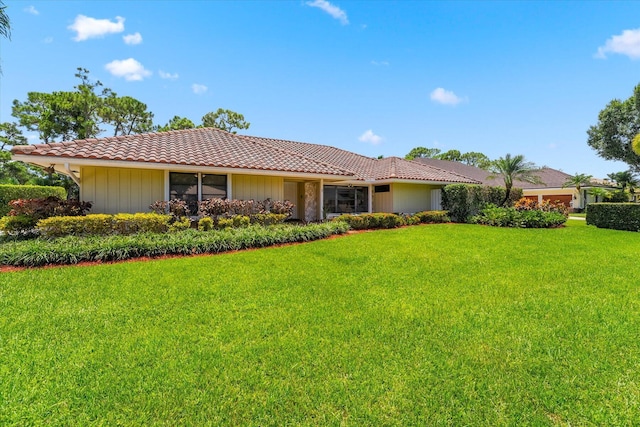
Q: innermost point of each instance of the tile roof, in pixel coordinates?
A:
(551, 178)
(210, 147)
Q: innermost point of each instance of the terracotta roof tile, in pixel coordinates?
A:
(210, 147)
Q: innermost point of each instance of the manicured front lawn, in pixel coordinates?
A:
(426, 325)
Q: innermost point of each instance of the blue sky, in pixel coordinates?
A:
(373, 77)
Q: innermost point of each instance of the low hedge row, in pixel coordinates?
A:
(103, 224)
(10, 192)
(617, 216)
(511, 217)
(388, 220)
(74, 249)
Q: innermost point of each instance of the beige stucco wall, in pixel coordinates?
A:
(116, 190)
(410, 198)
(247, 187)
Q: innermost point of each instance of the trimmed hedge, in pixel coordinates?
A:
(463, 201)
(103, 224)
(511, 217)
(14, 192)
(387, 220)
(617, 216)
(73, 249)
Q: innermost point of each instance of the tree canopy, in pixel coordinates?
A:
(577, 181)
(5, 24)
(422, 152)
(176, 123)
(226, 120)
(618, 125)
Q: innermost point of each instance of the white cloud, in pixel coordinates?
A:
(199, 89)
(87, 27)
(331, 9)
(370, 138)
(446, 97)
(168, 76)
(385, 63)
(132, 38)
(627, 43)
(32, 10)
(130, 69)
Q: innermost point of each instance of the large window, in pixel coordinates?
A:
(341, 200)
(192, 187)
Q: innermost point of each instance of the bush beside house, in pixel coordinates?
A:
(463, 201)
(14, 192)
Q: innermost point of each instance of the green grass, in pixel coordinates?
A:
(428, 325)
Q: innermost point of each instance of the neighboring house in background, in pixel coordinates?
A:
(128, 173)
(552, 186)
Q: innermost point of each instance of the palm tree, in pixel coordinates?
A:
(5, 26)
(625, 179)
(512, 169)
(577, 181)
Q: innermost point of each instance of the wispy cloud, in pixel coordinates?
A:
(331, 9)
(168, 76)
(446, 97)
(627, 43)
(370, 138)
(199, 89)
(88, 28)
(32, 10)
(129, 69)
(380, 63)
(132, 38)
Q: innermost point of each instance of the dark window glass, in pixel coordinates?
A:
(382, 188)
(345, 199)
(184, 186)
(214, 187)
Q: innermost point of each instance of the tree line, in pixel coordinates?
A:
(88, 111)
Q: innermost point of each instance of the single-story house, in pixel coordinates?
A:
(552, 184)
(128, 173)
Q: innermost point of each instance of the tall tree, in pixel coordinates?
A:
(618, 125)
(5, 23)
(626, 179)
(474, 158)
(126, 115)
(226, 120)
(12, 172)
(512, 168)
(422, 152)
(451, 155)
(176, 123)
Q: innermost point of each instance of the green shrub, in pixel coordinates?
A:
(58, 226)
(372, 221)
(432, 217)
(181, 224)
(74, 249)
(267, 219)
(617, 216)
(16, 223)
(511, 217)
(236, 221)
(205, 224)
(463, 201)
(102, 224)
(15, 192)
